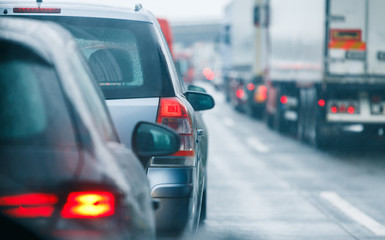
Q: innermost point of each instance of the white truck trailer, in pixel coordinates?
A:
(244, 54)
(326, 71)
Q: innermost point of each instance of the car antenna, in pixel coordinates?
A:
(39, 2)
(138, 6)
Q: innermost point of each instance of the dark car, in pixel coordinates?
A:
(63, 171)
(129, 56)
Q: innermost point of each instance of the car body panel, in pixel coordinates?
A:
(188, 208)
(125, 113)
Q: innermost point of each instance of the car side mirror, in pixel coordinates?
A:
(150, 139)
(196, 88)
(200, 101)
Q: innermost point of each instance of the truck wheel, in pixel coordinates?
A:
(316, 137)
(269, 120)
(301, 121)
(280, 124)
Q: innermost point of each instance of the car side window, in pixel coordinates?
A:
(94, 99)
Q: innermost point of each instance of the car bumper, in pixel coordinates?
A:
(174, 189)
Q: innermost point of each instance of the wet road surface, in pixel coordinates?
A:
(263, 185)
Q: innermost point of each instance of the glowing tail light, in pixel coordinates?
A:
(32, 205)
(250, 86)
(321, 103)
(172, 113)
(37, 10)
(240, 93)
(89, 205)
(344, 107)
(261, 94)
(284, 99)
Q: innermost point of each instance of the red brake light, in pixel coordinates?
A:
(31, 205)
(284, 99)
(89, 205)
(261, 94)
(173, 113)
(334, 109)
(208, 73)
(351, 110)
(250, 86)
(321, 103)
(37, 10)
(171, 108)
(240, 93)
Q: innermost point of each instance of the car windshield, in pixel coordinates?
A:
(123, 55)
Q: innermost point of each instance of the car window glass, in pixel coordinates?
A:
(31, 101)
(93, 100)
(124, 56)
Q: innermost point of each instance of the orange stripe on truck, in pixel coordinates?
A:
(348, 45)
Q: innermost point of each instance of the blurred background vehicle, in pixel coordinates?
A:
(244, 54)
(132, 64)
(326, 77)
(63, 171)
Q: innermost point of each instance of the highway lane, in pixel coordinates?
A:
(263, 185)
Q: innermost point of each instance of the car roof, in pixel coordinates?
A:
(83, 8)
(113, 9)
(46, 39)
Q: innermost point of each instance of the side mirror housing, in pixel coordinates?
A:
(196, 88)
(199, 100)
(150, 139)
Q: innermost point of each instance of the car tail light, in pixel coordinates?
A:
(321, 103)
(89, 205)
(251, 86)
(173, 113)
(240, 93)
(351, 110)
(31, 205)
(343, 107)
(37, 10)
(284, 99)
(261, 94)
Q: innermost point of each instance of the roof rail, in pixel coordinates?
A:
(138, 6)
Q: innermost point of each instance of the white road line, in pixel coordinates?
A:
(229, 122)
(354, 213)
(257, 145)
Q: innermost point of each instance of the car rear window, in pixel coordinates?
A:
(124, 56)
(32, 107)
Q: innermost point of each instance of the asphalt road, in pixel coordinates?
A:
(263, 185)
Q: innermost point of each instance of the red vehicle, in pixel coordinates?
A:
(166, 29)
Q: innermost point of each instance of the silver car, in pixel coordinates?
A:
(63, 170)
(126, 49)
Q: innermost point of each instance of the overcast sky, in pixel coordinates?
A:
(180, 10)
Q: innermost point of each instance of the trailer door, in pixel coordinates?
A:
(346, 39)
(376, 40)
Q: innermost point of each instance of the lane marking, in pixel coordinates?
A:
(257, 145)
(229, 122)
(354, 213)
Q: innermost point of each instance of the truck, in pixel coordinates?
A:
(326, 68)
(244, 55)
